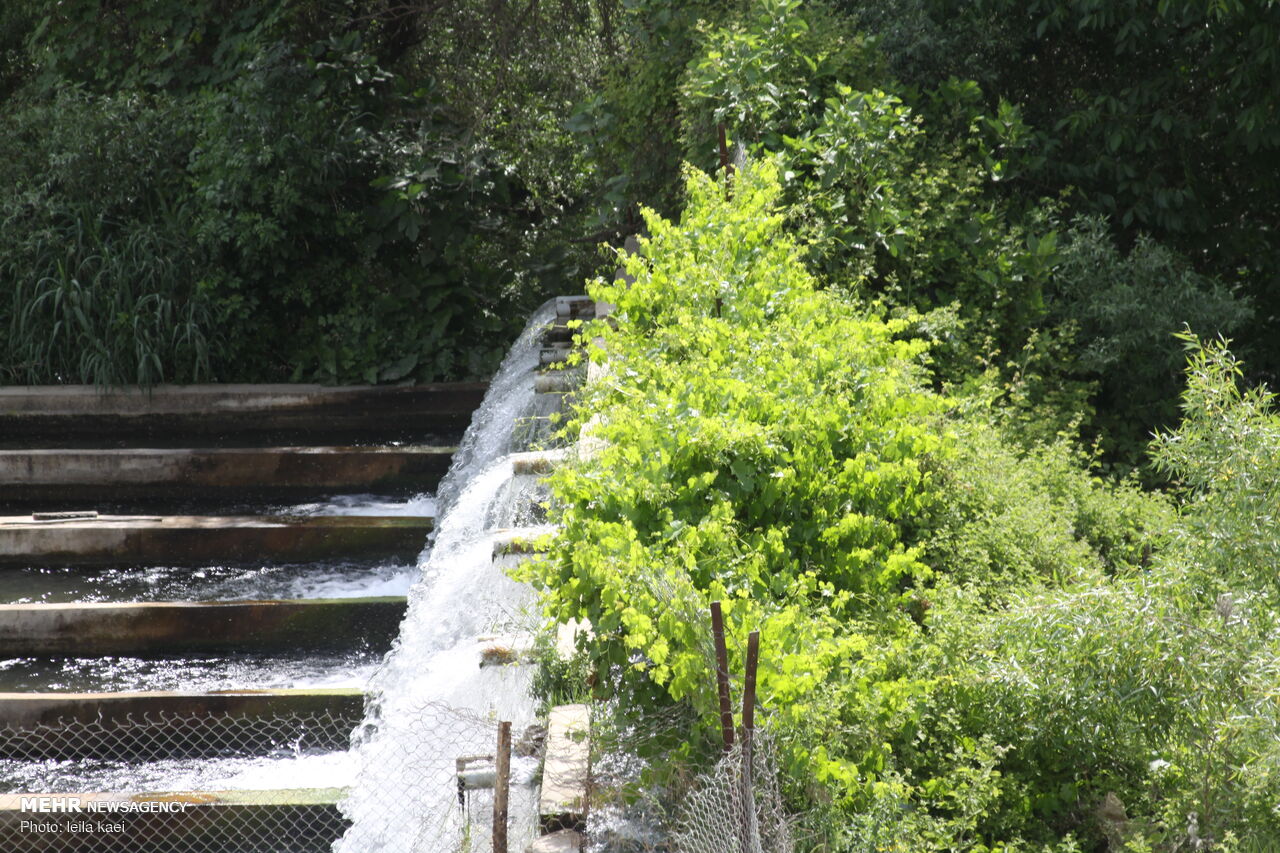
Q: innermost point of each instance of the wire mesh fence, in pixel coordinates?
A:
(644, 799)
(286, 783)
(736, 807)
(158, 736)
(428, 780)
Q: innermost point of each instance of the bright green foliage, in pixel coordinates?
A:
(971, 641)
(1015, 516)
(884, 205)
(761, 77)
(1226, 454)
(767, 443)
(937, 193)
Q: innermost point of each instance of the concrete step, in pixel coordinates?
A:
(562, 802)
(165, 629)
(110, 540)
(69, 415)
(155, 725)
(538, 462)
(60, 476)
(519, 541)
(575, 307)
(559, 381)
(297, 820)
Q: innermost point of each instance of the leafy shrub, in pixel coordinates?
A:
(1225, 454)
(1124, 311)
(1013, 516)
(98, 279)
(767, 443)
(762, 73)
(256, 180)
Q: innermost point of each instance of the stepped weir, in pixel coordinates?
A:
(274, 619)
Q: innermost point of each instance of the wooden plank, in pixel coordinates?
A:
(85, 476)
(163, 629)
(204, 540)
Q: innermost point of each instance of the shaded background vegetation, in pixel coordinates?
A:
(322, 190)
(339, 191)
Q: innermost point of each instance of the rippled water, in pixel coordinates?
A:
(113, 674)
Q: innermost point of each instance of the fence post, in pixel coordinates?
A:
(501, 787)
(750, 826)
(722, 675)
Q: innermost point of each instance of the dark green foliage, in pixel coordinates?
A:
(1164, 117)
(1124, 312)
(100, 279)
(261, 176)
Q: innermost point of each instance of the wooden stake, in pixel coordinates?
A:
(722, 675)
(751, 831)
(501, 787)
(749, 686)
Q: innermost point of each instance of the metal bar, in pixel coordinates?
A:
(722, 675)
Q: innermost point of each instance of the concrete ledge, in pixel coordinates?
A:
(562, 803)
(62, 413)
(300, 820)
(161, 725)
(86, 476)
(537, 462)
(519, 541)
(206, 540)
(560, 841)
(559, 381)
(572, 307)
(175, 628)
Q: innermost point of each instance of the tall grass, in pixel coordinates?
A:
(107, 304)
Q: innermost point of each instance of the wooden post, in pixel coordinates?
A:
(501, 787)
(751, 830)
(722, 675)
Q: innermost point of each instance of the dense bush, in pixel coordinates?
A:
(972, 642)
(777, 479)
(1162, 117)
(257, 191)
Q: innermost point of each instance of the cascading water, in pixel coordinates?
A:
(432, 683)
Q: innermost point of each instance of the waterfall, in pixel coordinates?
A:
(432, 701)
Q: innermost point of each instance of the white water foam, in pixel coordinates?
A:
(432, 701)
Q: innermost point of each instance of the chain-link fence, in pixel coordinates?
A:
(737, 806)
(194, 783)
(428, 781)
(77, 785)
(649, 795)
(166, 736)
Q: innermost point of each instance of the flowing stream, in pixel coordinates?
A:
(433, 701)
(433, 698)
